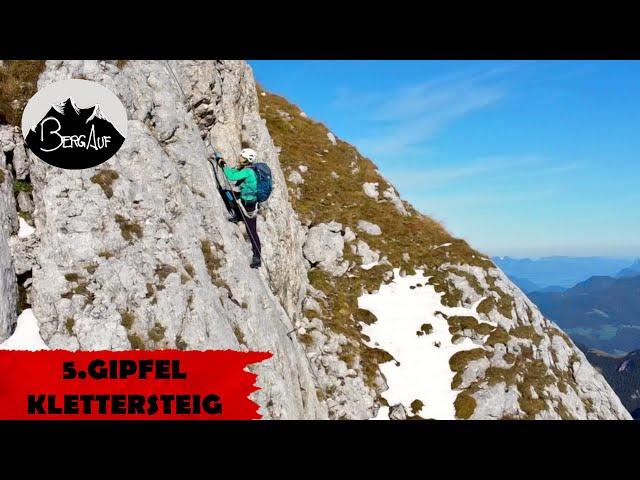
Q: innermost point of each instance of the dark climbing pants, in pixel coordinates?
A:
(251, 225)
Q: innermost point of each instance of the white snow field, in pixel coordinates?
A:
(27, 334)
(25, 230)
(423, 372)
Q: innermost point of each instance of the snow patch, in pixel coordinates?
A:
(27, 334)
(383, 413)
(442, 246)
(423, 371)
(25, 230)
(368, 266)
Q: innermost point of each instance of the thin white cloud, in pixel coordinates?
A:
(555, 170)
(483, 198)
(347, 98)
(480, 167)
(412, 115)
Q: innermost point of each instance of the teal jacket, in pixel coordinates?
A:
(248, 182)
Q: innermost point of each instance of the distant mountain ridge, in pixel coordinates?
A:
(601, 312)
(524, 284)
(618, 300)
(563, 271)
(630, 271)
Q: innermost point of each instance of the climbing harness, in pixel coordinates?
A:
(244, 211)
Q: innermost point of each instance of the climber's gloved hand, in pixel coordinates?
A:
(218, 158)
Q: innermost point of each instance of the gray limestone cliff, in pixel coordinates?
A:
(138, 253)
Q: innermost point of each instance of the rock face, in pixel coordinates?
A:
(324, 246)
(368, 227)
(137, 253)
(8, 227)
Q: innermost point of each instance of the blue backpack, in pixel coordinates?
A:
(264, 180)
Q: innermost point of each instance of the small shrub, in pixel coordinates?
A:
(180, 343)
(91, 268)
(361, 315)
(509, 357)
(306, 339)
(190, 270)
(22, 186)
(128, 229)
(68, 324)
(531, 406)
(416, 406)
(71, 277)
(459, 323)
(486, 306)
(212, 262)
(26, 216)
(105, 254)
(498, 335)
(459, 360)
(465, 405)
(526, 331)
(157, 332)
(163, 271)
(127, 319)
(105, 178)
(370, 358)
(135, 341)
(239, 335)
(426, 328)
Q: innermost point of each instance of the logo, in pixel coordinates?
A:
(74, 124)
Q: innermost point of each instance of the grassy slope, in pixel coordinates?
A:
(324, 198)
(18, 79)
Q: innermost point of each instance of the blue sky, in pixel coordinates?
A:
(521, 158)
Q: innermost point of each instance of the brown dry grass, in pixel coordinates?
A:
(18, 83)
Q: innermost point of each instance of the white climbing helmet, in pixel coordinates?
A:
(248, 155)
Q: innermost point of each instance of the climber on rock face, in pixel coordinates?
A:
(245, 178)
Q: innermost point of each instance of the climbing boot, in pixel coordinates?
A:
(255, 262)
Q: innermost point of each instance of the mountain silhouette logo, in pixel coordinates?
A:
(74, 124)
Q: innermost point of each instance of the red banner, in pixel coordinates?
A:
(135, 385)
